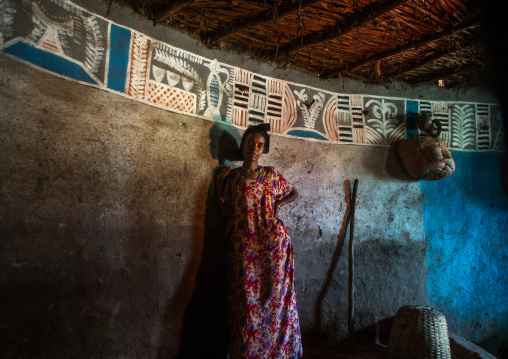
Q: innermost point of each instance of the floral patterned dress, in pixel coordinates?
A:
(263, 315)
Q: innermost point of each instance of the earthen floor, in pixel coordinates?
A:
(319, 348)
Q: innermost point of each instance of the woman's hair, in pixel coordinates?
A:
(263, 129)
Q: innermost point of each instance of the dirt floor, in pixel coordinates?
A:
(318, 348)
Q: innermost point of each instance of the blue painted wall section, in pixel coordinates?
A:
(411, 113)
(49, 61)
(466, 227)
(118, 57)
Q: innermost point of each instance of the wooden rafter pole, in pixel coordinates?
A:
(265, 17)
(404, 47)
(445, 73)
(434, 57)
(172, 8)
(338, 30)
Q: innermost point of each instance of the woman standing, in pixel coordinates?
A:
(263, 315)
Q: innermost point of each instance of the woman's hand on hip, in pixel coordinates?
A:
(277, 205)
(222, 173)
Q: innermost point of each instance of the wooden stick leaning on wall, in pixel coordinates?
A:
(341, 238)
(351, 338)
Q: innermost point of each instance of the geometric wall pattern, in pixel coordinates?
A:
(68, 41)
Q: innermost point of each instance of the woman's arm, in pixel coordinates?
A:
(288, 199)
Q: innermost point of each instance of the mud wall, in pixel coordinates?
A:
(112, 245)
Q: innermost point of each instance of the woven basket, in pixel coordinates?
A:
(418, 333)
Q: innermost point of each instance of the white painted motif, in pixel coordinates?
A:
(180, 67)
(330, 119)
(483, 127)
(172, 78)
(184, 55)
(215, 89)
(310, 111)
(258, 95)
(441, 114)
(463, 126)
(241, 97)
(281, 109)
(48, 31)
(7, 12)
(45, 33)
(425, 106)
(159, 73)
(138, 67)
(231, 85)
(338, 120)
(94, 45)
(345, 120)
(356, 105)
(175, 63)
(384, 127)
(258, 99)
(187, 84)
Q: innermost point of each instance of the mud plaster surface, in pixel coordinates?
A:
(112, 243)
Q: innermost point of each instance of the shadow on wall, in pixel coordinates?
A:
(378, 333)
(492, 342)
(205, 328)
(496, 33)
(395, 167)
(334, 262)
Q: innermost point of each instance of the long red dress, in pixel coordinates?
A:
(263, 316)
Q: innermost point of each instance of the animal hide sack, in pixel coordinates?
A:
(426, 158)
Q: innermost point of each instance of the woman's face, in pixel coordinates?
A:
(253, 147)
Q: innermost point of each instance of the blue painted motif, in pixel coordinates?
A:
(120, 40)
(49, 61)
(214, 91)
(466, 226)
(411, 112)
(307, 134)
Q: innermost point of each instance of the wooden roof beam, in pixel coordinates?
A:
(172, 8)
(265, 17)
(360, 19)
(404, 47)
(434, 57)
(445, 73)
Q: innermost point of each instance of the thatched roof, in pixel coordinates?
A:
(374, 41)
